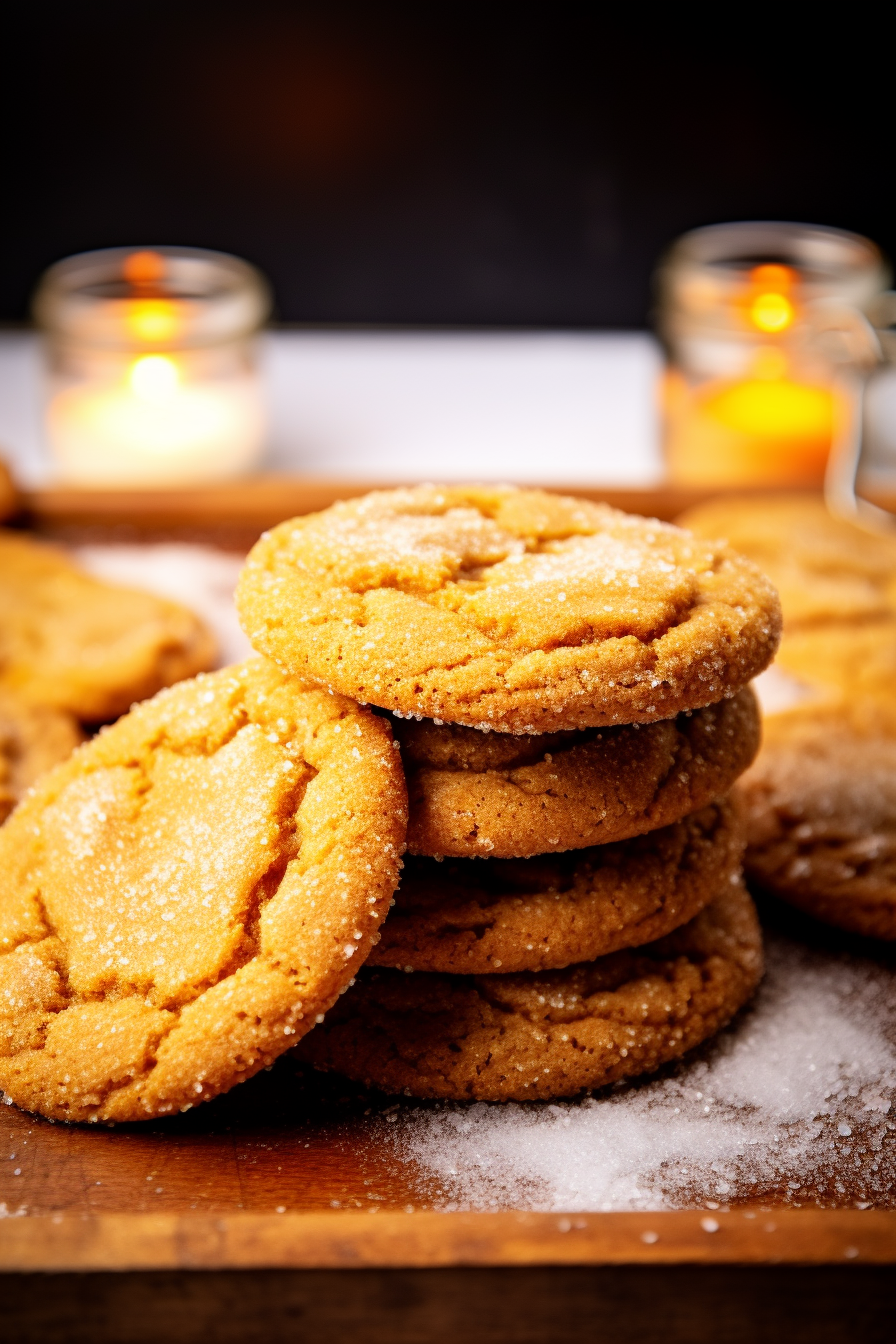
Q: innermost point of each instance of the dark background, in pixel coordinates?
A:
(436, 164)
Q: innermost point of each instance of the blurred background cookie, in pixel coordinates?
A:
(75, 643)
(33, 738)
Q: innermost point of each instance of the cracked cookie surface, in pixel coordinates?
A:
(549, 1034)
(70, 641)
(475, 917)
(505, 796)
(182, 899)
(821, 817)
(516, 610)
(33, 738)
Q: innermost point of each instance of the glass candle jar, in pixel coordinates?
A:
(749, 395)
(152, 372)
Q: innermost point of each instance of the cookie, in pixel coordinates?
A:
(506, 796)
(33, 738)
(824, 568)
(551, 1034)
(181, 900)
(821, 817)
(515, 610)
(72, 642)
(474, 916)
(844, 662)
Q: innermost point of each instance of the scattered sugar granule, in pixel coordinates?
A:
(796, 1096)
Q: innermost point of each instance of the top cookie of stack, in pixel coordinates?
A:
(513, 610)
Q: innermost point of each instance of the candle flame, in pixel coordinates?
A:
(154, 378)
(771, 309)
(144, 268)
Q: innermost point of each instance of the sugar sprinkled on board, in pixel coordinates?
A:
(798, 1097)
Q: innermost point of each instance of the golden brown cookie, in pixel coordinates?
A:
(506, 796)
(842, 661)
(182, 899)
(821, 810)
(473, 917)
(75, 643)
(551, 1034)
(509, 609)
(33, 738)
(824, 568)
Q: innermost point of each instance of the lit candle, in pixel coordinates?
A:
(152, 377)
(750, 395)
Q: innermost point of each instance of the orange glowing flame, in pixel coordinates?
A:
(770, 308)
(153, 319)
(144, 268)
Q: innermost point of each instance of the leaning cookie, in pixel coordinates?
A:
(514, 610)
(75, 643)
(33, 738)
(526, 1037)
(506, 796)
(821, 817)
(475, 917)
(186, 896)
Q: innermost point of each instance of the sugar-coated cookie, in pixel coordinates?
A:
(552, 1034)
(821, 813)
(75, 643)
(474, 917)
(33, 738)
(516, 610)
(183, 898)
(507, 796)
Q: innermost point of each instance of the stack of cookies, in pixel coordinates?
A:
(561, 688)
(566, 685)
(821, 797)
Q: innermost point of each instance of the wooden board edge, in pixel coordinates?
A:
(346, 1240)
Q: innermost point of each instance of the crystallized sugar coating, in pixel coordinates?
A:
(821, 807)
(473, 917)
(506, 796)
(509, 609)
(795, 1102)
(33, 738)
(74, 643)
(550, 1034)
(183, 898)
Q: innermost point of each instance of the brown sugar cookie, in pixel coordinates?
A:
(33, 738)
(72, 642)
(516, 610)
(507, 796)
(182, 899)
(549, 1034)
(821, 816)
(843, 661)
(824, 568)
(474, 917)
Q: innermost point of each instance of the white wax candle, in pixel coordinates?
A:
(156, 428)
